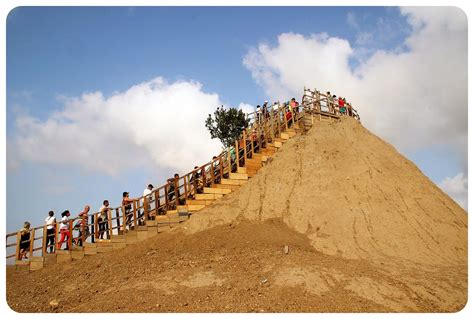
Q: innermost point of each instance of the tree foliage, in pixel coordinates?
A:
(226, 125)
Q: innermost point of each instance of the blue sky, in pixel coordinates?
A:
(59, 57)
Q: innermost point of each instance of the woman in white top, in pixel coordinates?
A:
(50, 231)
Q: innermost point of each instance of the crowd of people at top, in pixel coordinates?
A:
(335, 105)
(338, 105)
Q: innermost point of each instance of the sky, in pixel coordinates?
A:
(101, 100)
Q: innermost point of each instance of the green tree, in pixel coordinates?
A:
(226, 125)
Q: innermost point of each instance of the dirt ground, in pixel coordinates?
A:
(366, 232)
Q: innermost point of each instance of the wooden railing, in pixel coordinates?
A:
(264, 127)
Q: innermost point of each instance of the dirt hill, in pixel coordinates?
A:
(365, 230)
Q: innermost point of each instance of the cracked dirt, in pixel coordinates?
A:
(366, 231)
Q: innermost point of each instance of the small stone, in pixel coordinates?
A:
(286, 250)
(264, 281)
(54, 304)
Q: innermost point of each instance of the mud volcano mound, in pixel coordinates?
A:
(363, 228)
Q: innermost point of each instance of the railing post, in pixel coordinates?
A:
(279, 120)
(212, 173)
(69, 240)
(157, 201)
(57, 232)
(134, 215)
(186, 188)
(195, 181)
(32, 243)
(237, 153)
(45, 240)
(18, 242)
(272, 124)
(83, 228)
(124, 219)
(203, 176)
(229, 162)
(245, 148)
(95, 232)
(145, 208)
(109, 222)
(117, 219)
(94, 228)
(221, 167)
(176, 192)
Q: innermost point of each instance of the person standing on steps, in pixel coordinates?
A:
(50, 231)
(148, 194)
(102, 219)
(265, 113)
(64, 230)
(83, 226)
(24, 241)
(335, 105)
(342, 107)
(173, 187)
(127, 205)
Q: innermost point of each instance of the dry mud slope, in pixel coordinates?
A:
(366, 231)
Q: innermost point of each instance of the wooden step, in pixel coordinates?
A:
(268, 152)
(237, 182)
(22, 266)
(195, 208)
(63, 256)
(50, 259)
(237, 176)
(104, 242)
(150, 223)
(208, 190)
(90, 250)
(105, 249)
(173, 216)
(208, 196)
(116, 246)
(200, 201)
(36, 263)
(182, 208)
(77, 254)
(241, 170)
(131, 237)
(118, 239)
(183, 216)
(162, 223)
(281, 140)
(284, 136)
(226, 186)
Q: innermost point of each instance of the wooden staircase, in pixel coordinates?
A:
(172, 218)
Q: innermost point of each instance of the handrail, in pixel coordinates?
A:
(264, 126)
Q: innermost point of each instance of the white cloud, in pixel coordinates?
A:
(415, 98)
(154, 124)
(456, 187)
